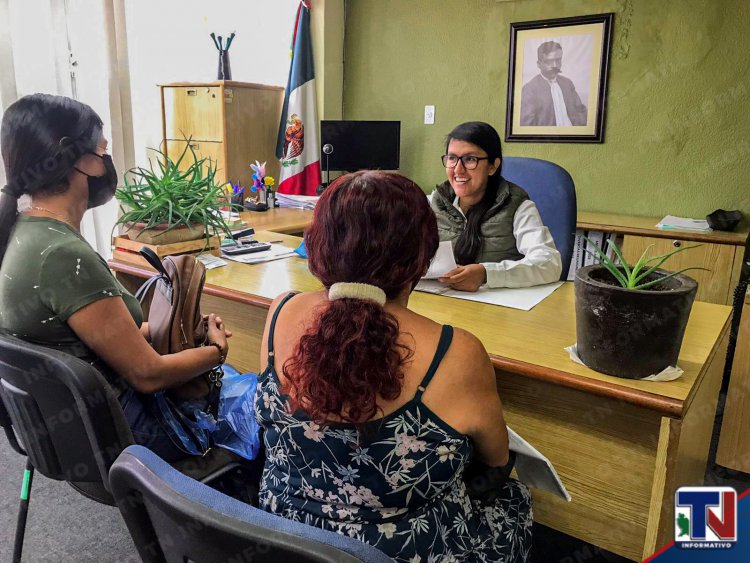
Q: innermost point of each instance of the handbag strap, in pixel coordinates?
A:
(153, 259)
(147, 286)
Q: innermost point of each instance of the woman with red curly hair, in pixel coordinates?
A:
(372, 412)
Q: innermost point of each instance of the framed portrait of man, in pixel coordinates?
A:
(557, 79)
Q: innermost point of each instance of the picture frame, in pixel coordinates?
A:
(558, 71)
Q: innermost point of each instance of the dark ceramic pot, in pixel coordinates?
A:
(630, 333)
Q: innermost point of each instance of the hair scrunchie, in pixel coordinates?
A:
(363, 291)
(10, 191)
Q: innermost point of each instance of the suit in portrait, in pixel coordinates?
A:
(537, 107)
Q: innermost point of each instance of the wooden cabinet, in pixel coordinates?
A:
(231, 123)
(720, 253)
(714, 281)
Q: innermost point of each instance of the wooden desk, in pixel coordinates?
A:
(621, 446)
(279, 220)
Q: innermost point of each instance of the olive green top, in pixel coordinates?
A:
(48, 273)
(498, 240)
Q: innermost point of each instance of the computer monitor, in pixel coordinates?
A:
(359, 145)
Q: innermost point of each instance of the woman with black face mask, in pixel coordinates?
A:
(55, 290)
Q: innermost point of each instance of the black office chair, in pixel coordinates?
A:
(60, 413)
(173, 518)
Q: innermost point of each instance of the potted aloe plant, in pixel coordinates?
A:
(175, 202)
(630, 320)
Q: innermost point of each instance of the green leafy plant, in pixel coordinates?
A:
(632, 277)
(173, 196)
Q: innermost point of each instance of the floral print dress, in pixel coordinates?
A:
(399, 488)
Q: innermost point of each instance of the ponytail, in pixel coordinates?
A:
(355, 344)
(372, 228)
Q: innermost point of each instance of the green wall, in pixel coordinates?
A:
(678, 113)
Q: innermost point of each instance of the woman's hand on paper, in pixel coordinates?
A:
(465, 278)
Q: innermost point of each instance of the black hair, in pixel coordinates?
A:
(466, 247)
(41, 139)
(547, 47)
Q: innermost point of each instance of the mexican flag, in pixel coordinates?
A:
(298, 147)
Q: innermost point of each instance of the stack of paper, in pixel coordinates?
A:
(683, 223)
(276, 252)
(297, 201)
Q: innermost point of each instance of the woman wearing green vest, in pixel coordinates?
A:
(55, 290)
(497, 234)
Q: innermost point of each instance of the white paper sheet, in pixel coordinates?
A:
(442, 263)
(685, 223)
(210, 261)
(669, 373)
(524, 298)
(276, 252)
(534, 469)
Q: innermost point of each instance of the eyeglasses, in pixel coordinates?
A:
(469, 161)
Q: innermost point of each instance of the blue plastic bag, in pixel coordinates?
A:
(301, 249)
(236, 429)
(193, 437)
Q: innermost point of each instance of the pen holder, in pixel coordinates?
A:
(224, 71)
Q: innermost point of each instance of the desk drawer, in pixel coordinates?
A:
(714, 285)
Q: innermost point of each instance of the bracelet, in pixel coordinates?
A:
(220, 348)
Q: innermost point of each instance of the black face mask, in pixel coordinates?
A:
(102, 188)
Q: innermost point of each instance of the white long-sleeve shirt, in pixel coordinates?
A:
(541, 262)
(558, 102)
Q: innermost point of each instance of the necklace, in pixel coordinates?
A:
(65, 218)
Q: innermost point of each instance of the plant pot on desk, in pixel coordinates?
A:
(630, 333)
(125, 249)
(159, 234)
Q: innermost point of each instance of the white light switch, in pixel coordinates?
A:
(429, 115)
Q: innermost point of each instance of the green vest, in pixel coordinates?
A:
(498, 241)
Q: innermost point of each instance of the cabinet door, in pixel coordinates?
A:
(193, 112)
(202, 149)
(718, 259)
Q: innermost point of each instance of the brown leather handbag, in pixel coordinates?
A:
(175, 321)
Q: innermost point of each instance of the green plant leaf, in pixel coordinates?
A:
(181, 192)
(619, 255)
(660, 260)
(640, 264)
(664, 278)
(607, 262)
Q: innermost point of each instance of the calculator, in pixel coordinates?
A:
(245, 247)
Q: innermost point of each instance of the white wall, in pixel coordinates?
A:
(168, 41)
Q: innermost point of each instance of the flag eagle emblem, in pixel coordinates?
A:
(294, 138)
